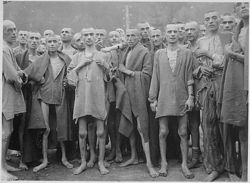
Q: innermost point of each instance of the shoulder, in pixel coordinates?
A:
(6, 48)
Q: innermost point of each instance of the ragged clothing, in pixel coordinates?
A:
(170, 87)
(12, 97)
(90, 93)
(138, 85)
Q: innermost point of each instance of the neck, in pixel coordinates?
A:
(32, 52)
(66, 45)
(245, 22)
(9, 44)
(90, 49)
(212, 33)
(181, 41)
(172, 46)
(22, 45)
(193, 42)
(53, 54)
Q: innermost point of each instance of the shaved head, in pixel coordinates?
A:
(134, 31)
(9, 32)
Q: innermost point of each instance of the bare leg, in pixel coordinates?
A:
(118, 153)
(194, 123)
(243, 134)
(182, 131)
(134, 157)
(163, 133)
(45, 111)
(92, 144)
(65, 161)
(22, 165)
(101, 139)
(145, 146)
(7, 127)
(82, 144)
(112, 133)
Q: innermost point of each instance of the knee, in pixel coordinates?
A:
(163, 133)
(100, 133)
(83, 134)
(182, 133)
(6, 135)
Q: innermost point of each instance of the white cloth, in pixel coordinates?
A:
(172, 56)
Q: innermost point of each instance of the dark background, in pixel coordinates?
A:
(38, 16)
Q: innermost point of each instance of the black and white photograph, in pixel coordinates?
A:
(125, 91)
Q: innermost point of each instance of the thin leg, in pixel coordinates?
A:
(163, 133)
(182, 131)
(82, 144)
(45, 111)
(101, 139)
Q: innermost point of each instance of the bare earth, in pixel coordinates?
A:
(57, 172)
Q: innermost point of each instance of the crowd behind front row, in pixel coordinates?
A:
(134, 87)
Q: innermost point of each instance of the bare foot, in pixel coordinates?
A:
(41, 166)
(152, 172)
(186, 172)
(164, 170)
(102, 168)
(23, 166)
(111, 156)
(132, 161)
(106, 164)
(11, 168)
(80, 169)
(212, 176)
(91, 162)
(5, 176)
(67, 164)
(118, 158)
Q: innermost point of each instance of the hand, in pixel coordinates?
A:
(99, 61)
(42, 81)
(153, 106)
(206, 71)
(189, 103)
(229, 52)
(18, 83)
(132, 74)
(105, 50)
(65, 82)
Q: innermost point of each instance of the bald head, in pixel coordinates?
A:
(48, 32)
(132, 37)
(144, 29)
(212, 21)
(66, 35)
(156, 37)
(192, 31)
(9, 32)
(88, 36)
(228, 22)
(172, 33)
(114, 37)
(100, 34)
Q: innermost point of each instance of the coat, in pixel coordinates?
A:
(233, 95)
(45, 92)
(138, 86)
(12, 96)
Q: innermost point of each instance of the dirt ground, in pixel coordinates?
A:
(56, 172)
